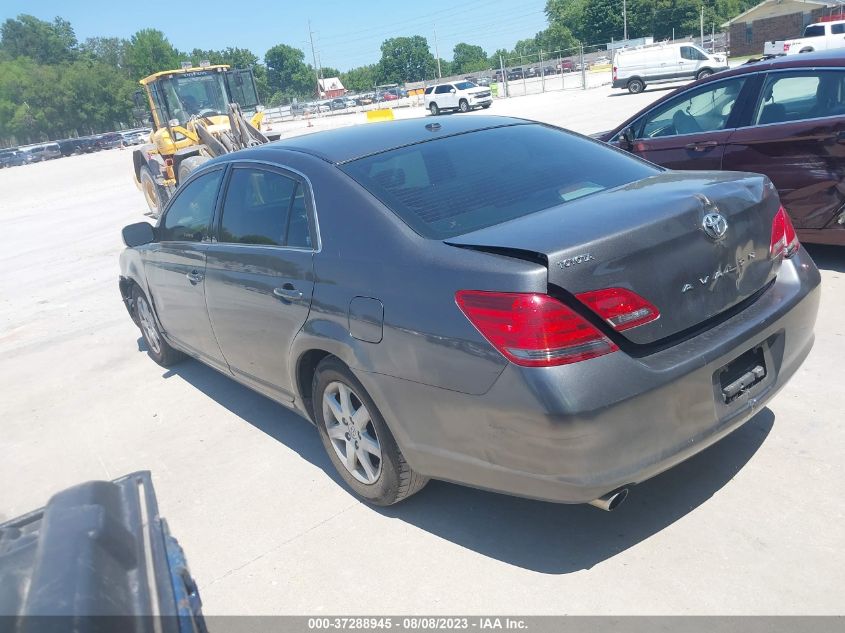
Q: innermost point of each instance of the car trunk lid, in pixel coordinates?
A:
(649, 237)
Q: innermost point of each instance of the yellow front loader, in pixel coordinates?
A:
(197, 113)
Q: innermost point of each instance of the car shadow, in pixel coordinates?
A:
(544, 537)
(827, 257)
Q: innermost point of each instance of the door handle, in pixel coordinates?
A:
(194, 276)
(288, 293)
(702, 146)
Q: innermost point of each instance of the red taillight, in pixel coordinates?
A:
(532, 329)
(620, 307)
(784, 239)
(786, 47)
(614, 73)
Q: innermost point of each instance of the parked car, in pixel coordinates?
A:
(388, 96)
(12, 157)
(566, 66)
(560, 320)
(350, 102)
(40, 153)
(635, 68)
(109, 140)
(134, 137)
(531, 72)
(363, 100)
(515, 73)
(483, 81)
(337, 104)
(784, 118)
(73, 146)
(461, 95)
(821, 36)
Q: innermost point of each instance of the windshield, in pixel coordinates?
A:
(194, 94)
(456, 184)
(465, 85)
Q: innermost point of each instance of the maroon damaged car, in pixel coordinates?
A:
(784, 118)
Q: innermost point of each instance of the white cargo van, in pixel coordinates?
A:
(634, 68)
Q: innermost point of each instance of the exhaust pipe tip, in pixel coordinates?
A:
(611, 500)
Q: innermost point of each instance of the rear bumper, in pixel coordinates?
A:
(573, 433)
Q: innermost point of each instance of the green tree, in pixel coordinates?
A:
(359, 79)
(45, 42)
(287, 72)
(148, 52)
(467, 58)
(405, 59)
(111, 51)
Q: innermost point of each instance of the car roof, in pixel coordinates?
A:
(819, 59)
(350, 143)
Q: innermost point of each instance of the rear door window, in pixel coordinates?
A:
(706, 109)
(257, 207)
(801, 95)
(814, 30)
(456, 184)
(189, 215)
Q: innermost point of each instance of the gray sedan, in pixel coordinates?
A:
(485, 300)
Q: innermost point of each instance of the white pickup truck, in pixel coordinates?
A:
(817, 37)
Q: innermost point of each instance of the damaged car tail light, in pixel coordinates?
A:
(620, 307)
(532, 329)
(784, 239)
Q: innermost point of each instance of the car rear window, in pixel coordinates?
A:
(457, 184)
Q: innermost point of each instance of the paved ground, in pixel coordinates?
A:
(753, 525)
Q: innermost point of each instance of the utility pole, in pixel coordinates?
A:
(625, 19)
(437, 53)
(314, 58)
(702, 25)
(713, 38)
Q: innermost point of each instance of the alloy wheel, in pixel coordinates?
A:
(148, 326)
(351, 432)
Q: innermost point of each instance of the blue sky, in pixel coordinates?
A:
(346, 33)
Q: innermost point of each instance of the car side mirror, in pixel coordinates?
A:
(626, 137)
(138, 234)
(453, 91)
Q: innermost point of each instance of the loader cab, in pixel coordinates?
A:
(175, 96)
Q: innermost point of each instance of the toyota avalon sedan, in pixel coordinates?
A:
(560, 320)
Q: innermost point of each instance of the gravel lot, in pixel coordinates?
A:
(751, 526)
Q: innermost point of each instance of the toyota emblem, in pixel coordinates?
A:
(715, 226)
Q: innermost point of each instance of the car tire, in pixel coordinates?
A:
(188, 165)
(636, 86)
(158, 349)
(463, 105)
(706, 72)
(155, 195)
(432, 107)
(378, 473)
